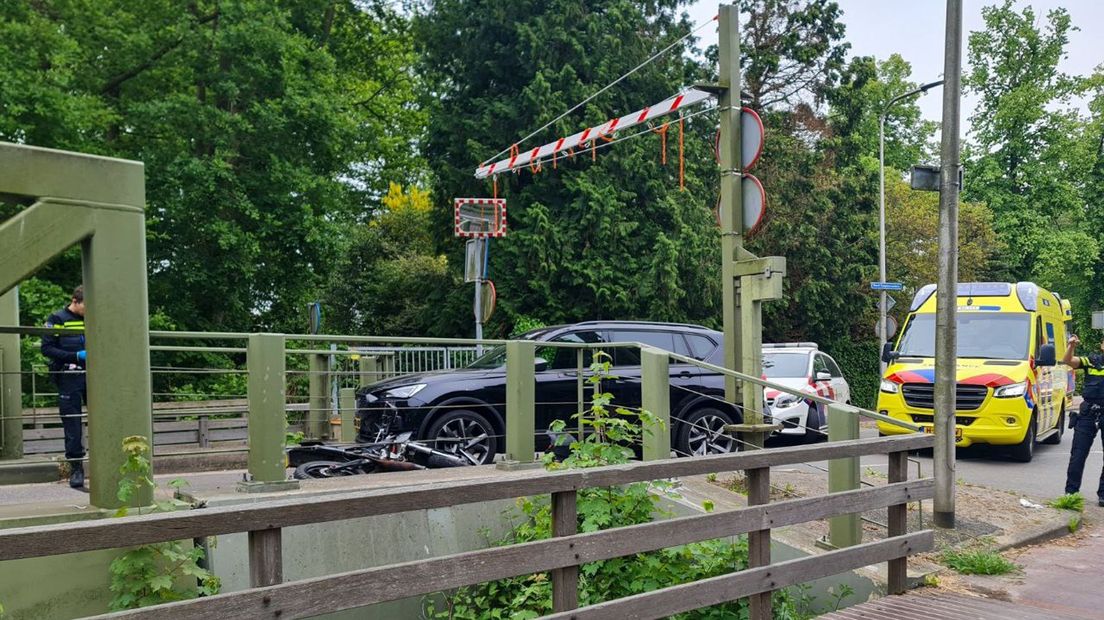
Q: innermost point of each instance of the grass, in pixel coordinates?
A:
(738, 484)
(1074, 524)
(1069, 501)
(978, 562)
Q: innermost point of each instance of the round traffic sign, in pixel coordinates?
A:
(751, 137)
(891, 327)
(488, 299)
(755, 203)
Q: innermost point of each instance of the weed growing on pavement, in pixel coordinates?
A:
(977, 562)
(1069, 501)
(610, 432)
(160, 572)
(1074, 524)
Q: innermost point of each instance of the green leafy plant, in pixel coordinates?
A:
(1074, 524)
(609, 432)
(160, 572)
(840, 592)
(977, 561)
(1069, 501)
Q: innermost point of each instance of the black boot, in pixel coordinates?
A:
(76, 477)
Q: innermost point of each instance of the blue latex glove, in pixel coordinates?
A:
(81, 355)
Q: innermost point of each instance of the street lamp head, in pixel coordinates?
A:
(926, 87)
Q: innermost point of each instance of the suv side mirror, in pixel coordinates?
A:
(1046, 357)
(539, 364)
(823, 376)
(888, 354)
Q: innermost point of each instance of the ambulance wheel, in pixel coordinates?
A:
(1056, 437)
(1024, 450)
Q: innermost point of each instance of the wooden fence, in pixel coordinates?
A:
(562, 555)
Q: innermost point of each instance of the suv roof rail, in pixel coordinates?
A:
(790, 345)
(643, 323)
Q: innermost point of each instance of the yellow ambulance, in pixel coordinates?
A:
(1008, 390)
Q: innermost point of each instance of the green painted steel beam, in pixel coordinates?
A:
(267, 391)
(843, 475)
(347, 404)
(38, 234)
(731, 207)
(368, 372)
(655, 389)
(319, 401)
(33, 172)
(11, 401)
(520, 401)
(97, 202)
(117, 341)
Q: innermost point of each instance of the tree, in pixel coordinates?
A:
(389, 280)
(791, 50)
(263, 126)
(582, 237)
(1019, 158)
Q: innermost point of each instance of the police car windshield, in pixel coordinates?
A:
(778, 365)
(981, 335)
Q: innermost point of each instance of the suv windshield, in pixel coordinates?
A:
(985, 335)
(776, 365)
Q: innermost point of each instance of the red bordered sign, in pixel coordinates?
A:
(479, 217)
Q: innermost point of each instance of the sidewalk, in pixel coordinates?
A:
(1058, 577)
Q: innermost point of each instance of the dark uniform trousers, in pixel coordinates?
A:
(1085, 429)
(72, 389)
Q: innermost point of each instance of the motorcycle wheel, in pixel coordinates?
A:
(321, 469)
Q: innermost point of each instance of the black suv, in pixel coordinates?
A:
(464, 411)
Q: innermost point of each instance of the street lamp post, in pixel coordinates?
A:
(882, 323)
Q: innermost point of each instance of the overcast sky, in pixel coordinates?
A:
(915, 30)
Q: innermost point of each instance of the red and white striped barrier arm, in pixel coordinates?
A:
(685, 99)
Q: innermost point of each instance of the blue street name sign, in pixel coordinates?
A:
(887, 286)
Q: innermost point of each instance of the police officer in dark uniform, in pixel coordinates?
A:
(65, 350)
(1090, 419)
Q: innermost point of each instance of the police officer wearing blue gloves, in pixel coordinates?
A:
(1090, 419)
(65, 350)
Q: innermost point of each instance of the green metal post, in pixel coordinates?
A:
(267, 392)
(731, 208)
(319, 402)
(347, 403)
(388, 364)
(843, 475)
(656, 398)
(117, 341)
(368, 372)
(11, 405)
(520, 405)
(98, 202)
(580, 390)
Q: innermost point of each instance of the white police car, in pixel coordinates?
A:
(804, 367)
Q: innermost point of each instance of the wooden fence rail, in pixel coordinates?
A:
(562, 555)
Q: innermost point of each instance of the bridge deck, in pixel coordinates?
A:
(928, 604)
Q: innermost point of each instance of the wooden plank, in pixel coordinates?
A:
(266, 560)
(45, 540)
(358, 588)
(897, 522)
(716, 590)
(565, 581)
(758, 481)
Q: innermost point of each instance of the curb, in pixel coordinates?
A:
(1041, 534)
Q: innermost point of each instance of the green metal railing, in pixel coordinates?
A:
(272, 361)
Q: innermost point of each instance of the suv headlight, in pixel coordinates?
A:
(1009, 391)
(787, 400)
(889, 387)
(405, 391)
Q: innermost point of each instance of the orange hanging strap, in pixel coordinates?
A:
(593, 152)
(662, 131)
(682, 180)
(494, 180)
(513, 156)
